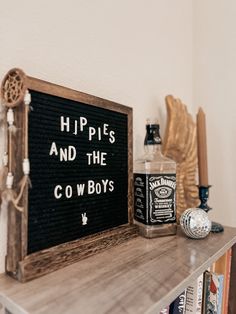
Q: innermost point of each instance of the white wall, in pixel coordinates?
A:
(130, 51)
(214, 89)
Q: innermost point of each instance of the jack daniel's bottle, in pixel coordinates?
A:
(154, 188)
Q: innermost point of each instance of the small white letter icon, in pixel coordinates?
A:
(84, 219)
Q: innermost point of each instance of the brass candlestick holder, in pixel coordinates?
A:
(203, 196)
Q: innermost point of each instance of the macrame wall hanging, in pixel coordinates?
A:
(4, 161)
(67, 175)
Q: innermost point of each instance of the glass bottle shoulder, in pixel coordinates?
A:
(153, 161)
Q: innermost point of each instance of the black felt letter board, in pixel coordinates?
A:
(79, 170)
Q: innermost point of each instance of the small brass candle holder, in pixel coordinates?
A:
(203, 196)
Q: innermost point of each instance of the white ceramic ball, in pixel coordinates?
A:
(195, 223)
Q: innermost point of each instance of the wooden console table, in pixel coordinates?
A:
(139, 276)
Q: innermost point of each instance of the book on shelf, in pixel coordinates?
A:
(208, 294)
(194, 297)
(165, 310)
(178, 305)
(223, 266)
(212, 293)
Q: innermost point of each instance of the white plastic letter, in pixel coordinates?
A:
(105, 185)
(56, 194)
(53, 149)
(105, 127)
(63, 154)
(92, 132)
(76, 127)
(71, 153)
(111, 186)
(89, 158)
(112, 137)
(68, 191)
(91, 188)
(99, 134)
(65, 124)
(80, 189)
(98, 188)
(103, 159)
(83, 122)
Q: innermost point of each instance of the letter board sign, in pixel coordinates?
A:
(75, 187)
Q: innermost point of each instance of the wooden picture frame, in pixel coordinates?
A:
(19, 263)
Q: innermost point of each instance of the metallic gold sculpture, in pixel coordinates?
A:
(180, 144)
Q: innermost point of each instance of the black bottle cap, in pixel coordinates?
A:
(152, 134)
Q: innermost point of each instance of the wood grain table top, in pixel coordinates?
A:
(138, 276)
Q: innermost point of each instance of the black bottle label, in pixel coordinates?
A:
(154, 198)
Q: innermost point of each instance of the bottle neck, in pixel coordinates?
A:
(154, 149)
(152, 135)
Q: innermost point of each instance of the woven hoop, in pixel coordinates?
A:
(13, 88)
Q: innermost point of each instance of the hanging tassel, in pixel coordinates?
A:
(10, 120)
(11, 127)
(3, 169)
(9, 181)
(3, 177)
(25, 181)
(8, 195)
(5, 142)
(5, 159)
(2, 113)
(26, 163)
(27, 98)
(4, 202)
